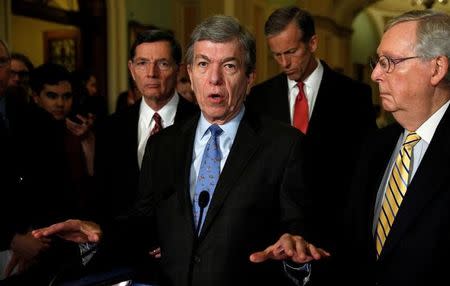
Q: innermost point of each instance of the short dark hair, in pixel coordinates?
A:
(24, 59)
(151, 36)
(48, 73)
(282, 17)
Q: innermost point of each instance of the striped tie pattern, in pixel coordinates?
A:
(158, 124)
(395, 190)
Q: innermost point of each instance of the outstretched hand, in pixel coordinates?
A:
(72, 230)
(292, 247)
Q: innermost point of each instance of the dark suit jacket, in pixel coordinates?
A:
(342, 116)
(417, 248)
(116, 163)
(259, 196)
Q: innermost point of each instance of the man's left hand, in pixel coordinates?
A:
(293, 247)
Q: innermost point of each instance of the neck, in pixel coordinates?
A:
(312, 65)
(413, 120)
(156, 103)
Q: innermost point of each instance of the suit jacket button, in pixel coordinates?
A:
(196, 259)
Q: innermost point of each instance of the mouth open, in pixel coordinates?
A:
(215, 97)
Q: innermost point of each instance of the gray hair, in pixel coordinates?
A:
(222, 29)
(433, 33)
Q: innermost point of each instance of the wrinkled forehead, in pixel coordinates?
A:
(18, 65)
(219, 50)
(399, 40)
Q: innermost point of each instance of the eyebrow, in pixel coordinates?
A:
(147, 59)
(225, 60)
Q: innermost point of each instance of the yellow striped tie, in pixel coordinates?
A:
(396, 190)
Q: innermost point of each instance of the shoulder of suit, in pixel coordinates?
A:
(266, 125)
(278, 79)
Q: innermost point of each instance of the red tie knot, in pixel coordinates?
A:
(301, 92)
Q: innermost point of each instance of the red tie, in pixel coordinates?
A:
(301, 110)
(158, 125)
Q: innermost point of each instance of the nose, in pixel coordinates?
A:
(215, 75)
(60, 101)
(284, 61)
(376, 73)
(152, 70)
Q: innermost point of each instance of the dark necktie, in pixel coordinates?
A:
(208, 174)
(301, 110)
(158, 125)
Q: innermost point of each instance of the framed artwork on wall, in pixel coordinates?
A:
(63, 47)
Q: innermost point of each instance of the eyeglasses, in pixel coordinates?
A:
(143, 65)
(387, 64)
(4, 61)
(20, 74)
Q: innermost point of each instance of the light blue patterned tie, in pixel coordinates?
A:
(209, 172)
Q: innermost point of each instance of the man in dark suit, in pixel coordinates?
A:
(255, 195)
(339, 116)
(403, 239)
(154, 62)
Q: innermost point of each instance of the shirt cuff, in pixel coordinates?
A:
(87, 251)
(299, 273)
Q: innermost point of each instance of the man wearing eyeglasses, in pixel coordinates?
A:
(21, 67)
(399, 219)
(153, 63)
(337, 114)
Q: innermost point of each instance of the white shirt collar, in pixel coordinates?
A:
(229, 128)
(167, 112)
(427, 129)
(312, 81)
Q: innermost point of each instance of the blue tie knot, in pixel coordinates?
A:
(215, 130)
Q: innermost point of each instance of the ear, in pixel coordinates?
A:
(313, 43)
(130, 68)
(440, 69)
(250, 80)
(189, 70)
(35, 97)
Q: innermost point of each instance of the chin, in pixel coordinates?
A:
(388, 107)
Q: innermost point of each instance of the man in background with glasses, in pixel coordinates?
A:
(336, 116)
(153, 63)
(398, 228)
(21, 67)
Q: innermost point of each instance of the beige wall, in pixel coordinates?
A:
(333, 21)
(31, 40)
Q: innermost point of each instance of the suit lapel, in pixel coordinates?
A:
(182, 170)
(132, 126)
(323, 101)
(381, 157)
(431, 174)
(279, 99)
(244, 146)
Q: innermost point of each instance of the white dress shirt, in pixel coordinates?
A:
(146, 122)
(202, 136)
(426, 133)
(311, 89)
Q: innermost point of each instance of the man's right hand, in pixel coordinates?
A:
(72, 230)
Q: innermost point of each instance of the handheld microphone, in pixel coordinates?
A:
(203, 200)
